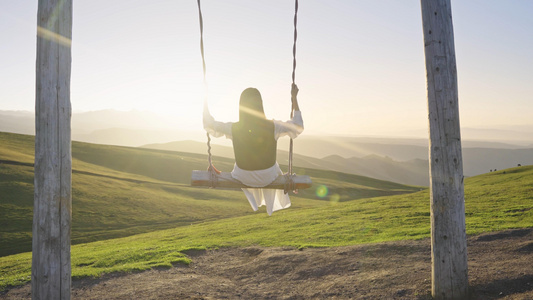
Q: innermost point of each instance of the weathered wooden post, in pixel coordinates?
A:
(51, 275)
(449, 272)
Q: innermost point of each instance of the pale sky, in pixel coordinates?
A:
(360, 64)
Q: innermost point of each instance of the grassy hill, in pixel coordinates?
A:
(495, 201)
(122, 191)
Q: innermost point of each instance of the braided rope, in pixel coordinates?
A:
(295, 38)
(291, 145)
(212, 170)
(202, 39)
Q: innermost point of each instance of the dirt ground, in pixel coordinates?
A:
(500, 267)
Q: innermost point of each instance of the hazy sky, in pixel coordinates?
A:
(360, 63)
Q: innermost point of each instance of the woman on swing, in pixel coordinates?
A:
(254, 144)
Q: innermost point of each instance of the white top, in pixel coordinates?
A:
(256, 178)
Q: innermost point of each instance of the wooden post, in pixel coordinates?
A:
(51, 270)
(449, 272)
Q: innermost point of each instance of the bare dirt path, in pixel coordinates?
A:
(500, 267)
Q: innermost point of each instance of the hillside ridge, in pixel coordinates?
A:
(120, 191)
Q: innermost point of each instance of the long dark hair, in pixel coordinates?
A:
(251, 106)
(253, 136)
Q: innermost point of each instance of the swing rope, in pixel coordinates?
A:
(290, 183)
(212, 170)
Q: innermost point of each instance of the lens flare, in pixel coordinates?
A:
(322, 191)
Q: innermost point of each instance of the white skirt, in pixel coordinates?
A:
(273, 199)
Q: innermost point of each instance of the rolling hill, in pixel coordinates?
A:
(135, 194)
(495, 201)
(122, 191)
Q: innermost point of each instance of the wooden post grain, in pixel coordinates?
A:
(51, 270)
(448, 236)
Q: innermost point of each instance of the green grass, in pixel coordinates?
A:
(106, 208)
(504, 200)
(495, 201)
(132, 193)
(123, 191)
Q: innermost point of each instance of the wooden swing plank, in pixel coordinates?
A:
(224, 180)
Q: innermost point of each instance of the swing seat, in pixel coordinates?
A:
(224, 180)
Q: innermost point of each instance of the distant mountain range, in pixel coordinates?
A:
(111, 127)
(402, 160)
(406, 164)
(397, 148)
(141, 128)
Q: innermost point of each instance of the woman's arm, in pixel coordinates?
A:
(294, 93)
(295, 126)
(292, 128)
(215, 128)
